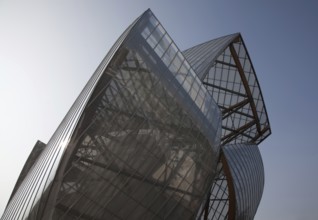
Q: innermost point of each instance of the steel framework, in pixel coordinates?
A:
(155, 134)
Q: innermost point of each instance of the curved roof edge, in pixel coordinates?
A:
(246, 172)
(261, 94)
(55, 147)
(204, 57)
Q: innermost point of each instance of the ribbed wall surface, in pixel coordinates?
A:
(247, 172)
(31, 194)
(203, 56)
(35, 153)
(140, 142)
(226, 70)
(143, 139)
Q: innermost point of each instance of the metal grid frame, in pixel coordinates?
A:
(158, 103)
(228, 74)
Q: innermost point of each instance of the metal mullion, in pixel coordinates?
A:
(242, 114)
(171, 61)
(227, 198)
(215, 209)
(225, 63)
(112, 94)
(122, 192)
(145, 176)
(177, 203)
(183, 179)
(145, 89)
(220, 185)
(115, 156)
(224, 89)
(79, 137)
(235, 131)
(214, 81)
(79, 180)
(239, 131)
(134, 131)
(148, 150)
(129, 175)
(153, 30)
(102, 90)
(164, 96)
(132, 198)
(254, 85)
(129, 122)
(234, 108)
(120, 93)
(223, 187)
(245, 83)
(261, 134)
(222, 191)
(151, 34)
(96, 204)
(224, 72)
(227, 84)
(78, 194)
(190, 184)
(72, 212)
(171, 161)
(107, 181)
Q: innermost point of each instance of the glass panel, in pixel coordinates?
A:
(161, 31)
(163, 45)
(155, 36)
(152, 41)
(170, 54)
(146, 32)
(166, 41)
(176, 63)
(153, 21)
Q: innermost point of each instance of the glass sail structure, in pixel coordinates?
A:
(156, 133)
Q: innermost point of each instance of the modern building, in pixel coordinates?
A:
(157, 133)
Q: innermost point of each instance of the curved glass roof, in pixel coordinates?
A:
(143, 139)
(226, 70)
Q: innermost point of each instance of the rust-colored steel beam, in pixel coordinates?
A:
(230, 185)
(226, 139)
(224, 89)
(235, 131)
(245, 84)
(225, 63)
(234, 107)
(237, 112)
(262, 132)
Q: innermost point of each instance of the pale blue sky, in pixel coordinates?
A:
(48, 51)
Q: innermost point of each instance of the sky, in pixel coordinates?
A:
(49, 50)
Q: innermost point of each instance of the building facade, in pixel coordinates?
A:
(157, 133)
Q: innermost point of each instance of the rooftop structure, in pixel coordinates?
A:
(156, 133)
